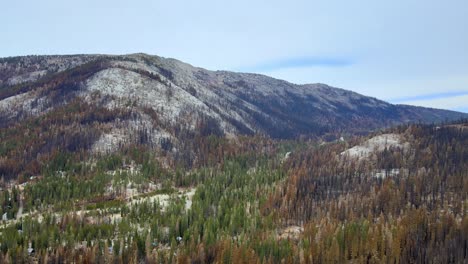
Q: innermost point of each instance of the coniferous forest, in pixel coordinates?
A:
(251, 199)
(141, 159)
(193, 132)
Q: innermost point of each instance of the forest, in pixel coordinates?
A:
(251, 199)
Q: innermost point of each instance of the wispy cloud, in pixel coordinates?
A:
(427, 97)
(461, 109)
(299, 62)
(453, 101)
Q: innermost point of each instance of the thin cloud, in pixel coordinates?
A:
(428, 97)
(457, 103)
(461, 109)
(299, 62)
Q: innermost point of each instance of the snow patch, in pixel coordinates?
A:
(26, 77)
(376, 144)
(110, 142)
(382, 174)
(25, 103)
(164, 199)
(124, 132)
(166, 98)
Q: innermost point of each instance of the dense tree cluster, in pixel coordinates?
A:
(27, 146)
(400, 205)
(225, 209)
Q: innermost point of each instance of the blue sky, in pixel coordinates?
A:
(402, 51)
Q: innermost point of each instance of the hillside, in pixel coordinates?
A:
(397, 196)
(236, 103)
(141, 159)
(100, 104)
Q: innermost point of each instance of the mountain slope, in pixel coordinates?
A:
(141, 159)
(165, 95)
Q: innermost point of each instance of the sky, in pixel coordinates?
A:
(402, 51)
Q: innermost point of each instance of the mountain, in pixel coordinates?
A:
(141, 159)
(240, 102)
(110, 101)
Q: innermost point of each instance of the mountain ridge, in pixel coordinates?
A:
(240, 103)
